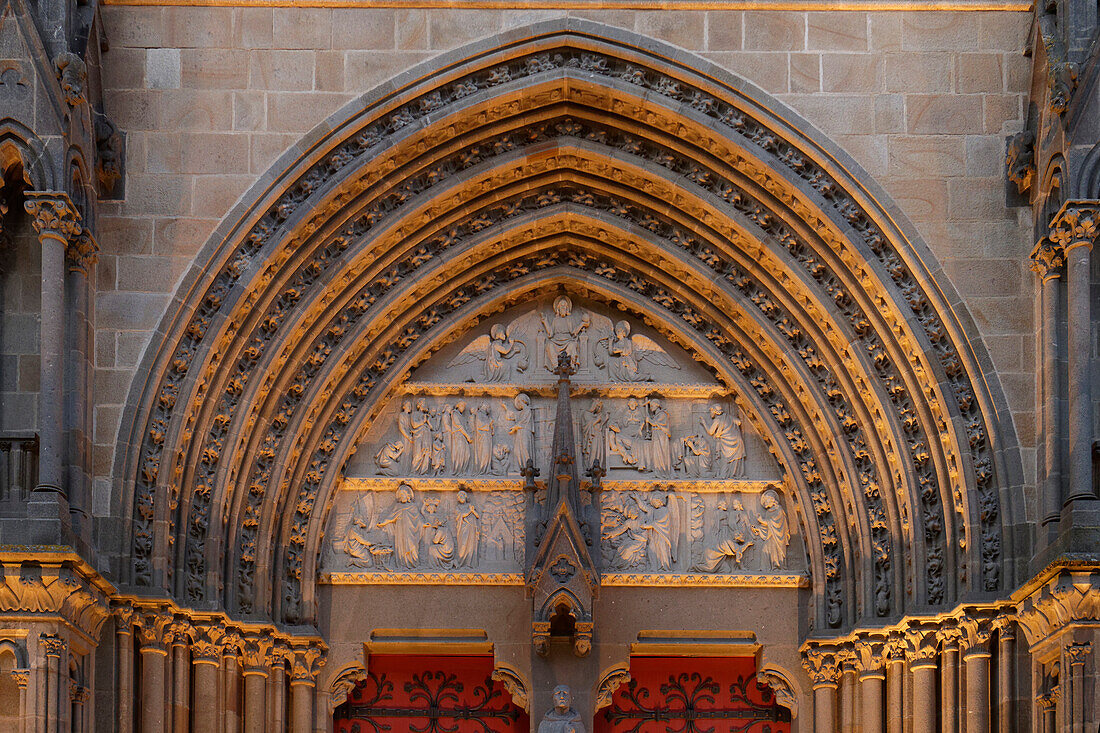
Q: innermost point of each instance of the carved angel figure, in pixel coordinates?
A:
(773, 529)
(626, 354)
(500, 350)
(564, 330)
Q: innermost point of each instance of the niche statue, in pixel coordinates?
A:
(562, 718)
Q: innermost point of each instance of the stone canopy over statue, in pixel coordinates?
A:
(563, 717)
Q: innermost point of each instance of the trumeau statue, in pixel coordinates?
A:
(562, 718)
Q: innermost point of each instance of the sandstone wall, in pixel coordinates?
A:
(210, 97)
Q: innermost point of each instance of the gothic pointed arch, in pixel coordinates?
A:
(570, 157)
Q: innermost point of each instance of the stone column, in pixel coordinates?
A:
(824, 671)
(79, 695)
(181, 633)
(305, 662)
(81, 255)
(1074, 228)
(870, 660)
(231, 682)
(22, 678)
(1006, 662)
(848, 712)
(152, 628)
(124, 639)
(55, 221)
(974, 645)
(56, 651)
(921, 654)
(277, 699)
(1046, 261)
(949, 679)
(1075, 656)
(895, 684)
(206, 658)
(256, 655)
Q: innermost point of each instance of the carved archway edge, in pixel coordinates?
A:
(329, 134)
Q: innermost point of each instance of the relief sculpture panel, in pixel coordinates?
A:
(688, 491)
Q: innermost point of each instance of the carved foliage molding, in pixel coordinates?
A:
(41, 588)
(369, 143)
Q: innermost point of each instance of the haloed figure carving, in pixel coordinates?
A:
(405, 525)
(458, 437)
(728, 453)
(483, 440)
(467, 522)
(522, 430)
(563, 331)
(772, 528)
(562, 718)
(626, 355)
(441, 547)
(420, 428)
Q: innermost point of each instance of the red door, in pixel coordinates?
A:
(693, 695)
(430, 694)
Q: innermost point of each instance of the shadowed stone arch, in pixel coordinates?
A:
(655, 181)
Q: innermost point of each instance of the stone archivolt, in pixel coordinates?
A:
(650, 188)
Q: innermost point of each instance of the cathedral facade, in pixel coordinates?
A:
(603, 366)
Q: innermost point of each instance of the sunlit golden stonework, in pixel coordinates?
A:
(488, 367)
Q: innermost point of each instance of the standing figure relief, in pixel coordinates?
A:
(564, 331)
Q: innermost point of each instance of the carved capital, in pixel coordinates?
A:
(206, 648)
(975, 636)
(305, 663)
(153, 629)
(949, 637)
(870, 656)
(54, 645)
(1076, 653)
(82, 251)
(179, 631)
(22, 677)
(55, 217)
(1005, 626)
(124, 618)
(822, 666)
(1047, 260)
(921, 646)
(256, 656)
(895, 648)
(1066, 599)
(231, 643)
(1075, 225)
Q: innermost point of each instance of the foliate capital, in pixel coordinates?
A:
(153, 629)
(82, 251)
(1075, 225)
(895, 648)
(22, 677)
(976, 633)
(1047, 259)
(305, 663)
(124, 618)
(1076, 653)
(256, 653)
(1005, 626)
(54, 215)
(950, 637)
(921, 646)
(870, 657)
(822, 666)
(54, 645)
(180, 631)
(206, 648)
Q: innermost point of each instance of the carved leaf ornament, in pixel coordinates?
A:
(302, 328)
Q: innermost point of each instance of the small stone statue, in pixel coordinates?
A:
(562, 718)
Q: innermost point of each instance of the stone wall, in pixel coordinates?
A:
(209, 98)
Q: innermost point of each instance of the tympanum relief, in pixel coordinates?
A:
(686, 491)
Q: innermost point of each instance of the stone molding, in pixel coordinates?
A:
(55, 216)
(1060, 599)
(782, 170)
(514, 682)
(58, 584)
